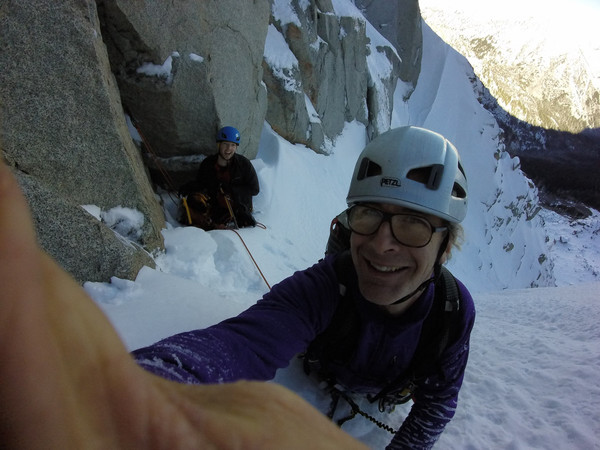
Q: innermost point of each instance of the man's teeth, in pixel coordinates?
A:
(384, 268)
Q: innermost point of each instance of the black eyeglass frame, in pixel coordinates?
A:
(387, 217)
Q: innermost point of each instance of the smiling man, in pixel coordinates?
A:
(390, 267)
(221, 196)
(383, 320)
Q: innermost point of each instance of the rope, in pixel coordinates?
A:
(159, 165)
(228, 203)
(252, 257)
(356, 410)
(241, 239)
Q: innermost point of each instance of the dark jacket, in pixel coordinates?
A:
(269, 334)
(241, 186)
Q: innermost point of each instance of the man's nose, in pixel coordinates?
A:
(383, 238)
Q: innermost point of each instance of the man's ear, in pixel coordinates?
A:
(445, 254)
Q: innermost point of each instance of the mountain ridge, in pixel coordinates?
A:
(544, 95)
(538, 76)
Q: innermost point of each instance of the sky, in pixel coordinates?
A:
(569, 28)
(543, 9)
(566, 27)
(532, 376)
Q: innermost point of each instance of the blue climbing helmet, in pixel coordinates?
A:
(228, 134)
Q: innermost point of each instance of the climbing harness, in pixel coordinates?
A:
(229, 208)
(336, 394)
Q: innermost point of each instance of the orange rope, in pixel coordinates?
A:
(252, 257)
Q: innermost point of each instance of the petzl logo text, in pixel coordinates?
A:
(390, 182)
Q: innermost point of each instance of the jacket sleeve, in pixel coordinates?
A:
(436, 396)
(200, 183)
(251, 179)
(245, 183)
(205, 177)
(257, 342)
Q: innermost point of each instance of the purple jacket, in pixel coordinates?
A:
(265, 337)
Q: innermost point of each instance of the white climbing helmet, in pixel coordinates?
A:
(411, 167)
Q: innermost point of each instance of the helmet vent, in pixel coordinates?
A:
(458, 191)
(430, 176)
(367, 169)
(460, 167)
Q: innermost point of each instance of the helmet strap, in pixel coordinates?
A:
(442, 248)
(421, 287)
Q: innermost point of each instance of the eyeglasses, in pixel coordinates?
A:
(408, 229)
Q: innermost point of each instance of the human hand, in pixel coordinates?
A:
(200, 198)
(69, 382)
(225, 189)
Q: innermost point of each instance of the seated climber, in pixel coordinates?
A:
(221, 195)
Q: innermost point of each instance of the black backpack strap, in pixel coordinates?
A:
(338, 342)
(439, 327)
(339, 235)
(452, 294)
(450, 297)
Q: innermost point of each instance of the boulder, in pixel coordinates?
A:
(63, 126)
(80, 243)
(185, 69)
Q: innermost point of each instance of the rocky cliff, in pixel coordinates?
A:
(74, 71)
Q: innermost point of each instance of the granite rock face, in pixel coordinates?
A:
(74, 72)
(338, 68)
(185, 69)
(62, 124)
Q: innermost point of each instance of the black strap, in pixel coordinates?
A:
(438, 329)
(338, 342)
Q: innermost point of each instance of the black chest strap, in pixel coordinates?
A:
(339, 341)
